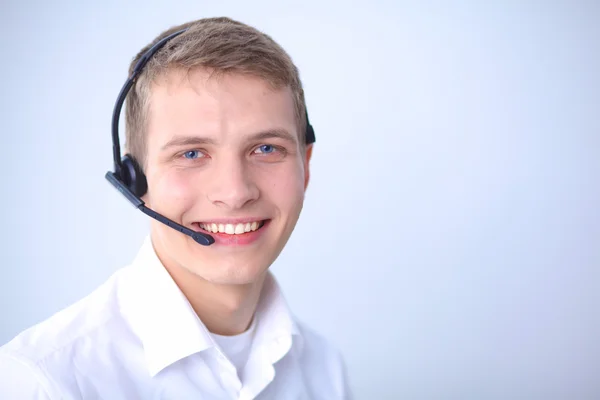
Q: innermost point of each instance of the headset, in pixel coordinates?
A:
(128, 176)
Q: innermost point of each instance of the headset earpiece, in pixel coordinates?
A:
(133, 176)
(310, 132)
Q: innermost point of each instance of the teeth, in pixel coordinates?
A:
(231, 229)
(239, 228)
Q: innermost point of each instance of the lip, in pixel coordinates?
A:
(243, 239)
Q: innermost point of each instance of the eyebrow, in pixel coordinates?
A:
(273, 134)
(179, 141)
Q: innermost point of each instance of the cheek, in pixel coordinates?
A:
(285, 186)
(171, 190)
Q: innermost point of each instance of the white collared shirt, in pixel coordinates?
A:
(237, 347)
(137, 337)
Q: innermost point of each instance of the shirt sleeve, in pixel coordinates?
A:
(19, 380)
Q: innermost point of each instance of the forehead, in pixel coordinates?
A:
(221, 106)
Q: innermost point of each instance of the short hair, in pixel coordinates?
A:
(220, 45)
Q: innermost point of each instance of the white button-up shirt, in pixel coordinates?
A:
(137, 337)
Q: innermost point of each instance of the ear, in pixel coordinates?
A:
(307, 156)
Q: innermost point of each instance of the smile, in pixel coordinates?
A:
(231, 229)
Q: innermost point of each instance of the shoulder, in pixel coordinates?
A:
(52, 347)
(314, 343)
(67, 325)
(320, 355)
(20, 379)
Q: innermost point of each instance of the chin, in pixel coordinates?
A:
(231, 273)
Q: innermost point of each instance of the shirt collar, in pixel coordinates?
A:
(275, 319)
(160, 314)
(168, 326)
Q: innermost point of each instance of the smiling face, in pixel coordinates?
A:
(223, 155)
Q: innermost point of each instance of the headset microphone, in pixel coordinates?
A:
(199, 237)
(128, 176)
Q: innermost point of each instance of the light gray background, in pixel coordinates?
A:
(450, 239)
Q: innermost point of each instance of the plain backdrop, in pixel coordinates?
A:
(450, 240)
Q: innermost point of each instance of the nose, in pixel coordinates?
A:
(232, 185)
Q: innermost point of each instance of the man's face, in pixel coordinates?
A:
(224, 155)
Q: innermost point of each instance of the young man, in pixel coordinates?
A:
(217, 122)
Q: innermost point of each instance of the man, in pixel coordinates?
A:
(217, 122)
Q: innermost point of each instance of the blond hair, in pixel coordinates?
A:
(220, 45)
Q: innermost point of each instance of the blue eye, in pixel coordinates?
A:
(192, 154)
(266, 148)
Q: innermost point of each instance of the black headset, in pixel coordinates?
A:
(128, 176)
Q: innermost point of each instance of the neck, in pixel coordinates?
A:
(224, 309)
